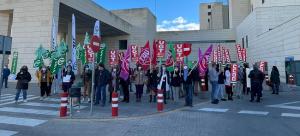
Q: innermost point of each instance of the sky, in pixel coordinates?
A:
(172, 15)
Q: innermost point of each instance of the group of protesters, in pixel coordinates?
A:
(181, 82)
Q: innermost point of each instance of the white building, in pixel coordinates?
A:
(214, 16)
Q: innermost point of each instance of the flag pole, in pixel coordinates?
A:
(93, 85)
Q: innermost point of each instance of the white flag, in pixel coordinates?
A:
(74, 64)
(54, 35)
(97, 29)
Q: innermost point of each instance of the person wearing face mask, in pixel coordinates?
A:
(23, 78)
(139, 77)
(164, 82)
(102, 78)
(68, 78)
(43, 77)
(176, 81)
(5, 74)
(153, 82)
(113, 83)
(87, 83)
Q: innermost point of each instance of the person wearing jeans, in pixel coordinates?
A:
(5, 74)
(176, 81)
(102, 78)
(44, 78)
(275, 80)
(221, 86)
(23, 78)
(213, 77)
(188, 86)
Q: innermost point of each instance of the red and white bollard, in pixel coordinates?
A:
(114, 104)
(64, 104)
(160, 100)
(203, 85)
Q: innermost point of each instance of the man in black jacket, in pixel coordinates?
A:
(102, 77)
(257, 77)
(187, 86)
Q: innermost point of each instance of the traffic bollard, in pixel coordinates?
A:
(114, 104)
(160, 101)
(64, 104)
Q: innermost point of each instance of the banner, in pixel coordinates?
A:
(125, 65)
(223, 56)
(173, 56)
(215, 56)
(169, 60)
(134, 53)
(144, 58)
(161, 48)
(14, 63)
(101, 54)
(228, 60)
(219, 54)
(262, 66)
(89, 54)
(113, 57)
(200, 58)
(74, 60)
(154, 54)
(234, 73)
(244, 54)
(204, 62)
(54, 35)
(120, 56)
(179, 52)
(187, 49)
(239, 52)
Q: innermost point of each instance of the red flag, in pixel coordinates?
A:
(223, 55)
(160, 46)
(125, 65)
(134, 53)
(170, 60)
(239, 52)
(219, 54)
(144, 58)
(234, 73)
(244, 54)
(179, 52)
(228, 60)
(154, 54)
(90, 55)
(113, 57)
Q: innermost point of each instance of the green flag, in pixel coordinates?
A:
(38, 62)
(171, 47)
(101, 54)
(14, 63)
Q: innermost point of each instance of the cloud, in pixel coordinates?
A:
(177, 24)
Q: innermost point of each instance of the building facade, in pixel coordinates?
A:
(214, 16)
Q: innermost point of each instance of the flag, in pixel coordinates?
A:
(154, 54)
(219, 55)
(74, 63)
(144, 58)
(101, 54)
(173, 56)
(200, 58)
(228, 60)
(203, 66)
(54, 35)
(125, 65)
(185, 72)
(239, 52)
(134, 53)
(14, 63)
(169, 60)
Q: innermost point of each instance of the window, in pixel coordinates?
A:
(262, 1)
(209, 13)
(243, 43)
(209, 6)
(247, 41)
(122, 44)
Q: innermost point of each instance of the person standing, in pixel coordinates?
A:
(196, 79)
(221, 84)
(102, 78)
(113, 83)
(23, 78)
(87, 83)
(176, 81)
(239, 84)
(257, 77)
(44, 78)
(275, 80)
(139, 77)
(213, 77)
(5, 74)
(153, 82)
(68, 78)
(228, 83)
(188, 86)
(50, 81)
(164, 82)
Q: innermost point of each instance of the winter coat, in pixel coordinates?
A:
(23, 78)
(195, 74)
(189, 79)
(47, 74)
(139, 77)
(221, 79)
(153, 79)
(102, 77)
(86, 76)
(257, 77)
(176, 79)
(213, 75)
(6, 72)
(227, 78)
(275, 77)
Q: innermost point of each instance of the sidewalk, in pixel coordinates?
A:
(126, 110)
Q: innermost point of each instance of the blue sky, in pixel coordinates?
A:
(171, 14)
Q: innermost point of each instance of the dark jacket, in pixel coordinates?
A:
(86, 76)
(153, 79)
(222, 78)
(65, 73)
(23, 78)
(6, 72)
(195, 74)
(189, 79)
(256, 76)
(176, 79)
(275, 77)
(102, 77)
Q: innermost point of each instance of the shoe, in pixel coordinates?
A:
(223, 99)
(25, 101)
(41, 98)
(277, 93)
(273, 93)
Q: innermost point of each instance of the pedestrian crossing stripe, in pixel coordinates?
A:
(10, 102)
(2, 95)
(50, 105)
(52, 100)
(29, 111)
(213, 110)
(253, 112)
(21, 121)
(290, 115)
(7, 133)
(12, 98)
